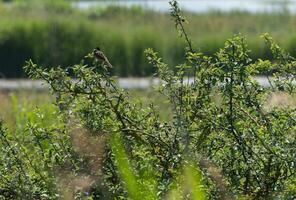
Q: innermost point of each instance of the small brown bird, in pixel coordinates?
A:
(100, 56)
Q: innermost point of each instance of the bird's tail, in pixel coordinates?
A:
(107, 63)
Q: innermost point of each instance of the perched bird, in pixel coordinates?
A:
(100, 56)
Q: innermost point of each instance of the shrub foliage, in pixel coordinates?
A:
(221, 125)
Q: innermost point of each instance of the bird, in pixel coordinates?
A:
(100, 56)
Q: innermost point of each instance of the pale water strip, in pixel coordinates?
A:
(126, 83)
(200, 6)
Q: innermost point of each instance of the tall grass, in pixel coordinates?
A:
(189, 184)
(60, 35)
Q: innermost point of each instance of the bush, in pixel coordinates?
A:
(242, 148)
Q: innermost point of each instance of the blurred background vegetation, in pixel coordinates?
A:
(54, 32)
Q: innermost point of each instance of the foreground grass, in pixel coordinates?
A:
(14, 104)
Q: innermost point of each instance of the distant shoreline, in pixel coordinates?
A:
(126, 83)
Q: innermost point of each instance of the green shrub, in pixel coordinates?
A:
(31, 151)
(222, 143)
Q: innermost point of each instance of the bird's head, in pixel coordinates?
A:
(98, 49)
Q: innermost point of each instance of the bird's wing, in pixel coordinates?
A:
(99, 55)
